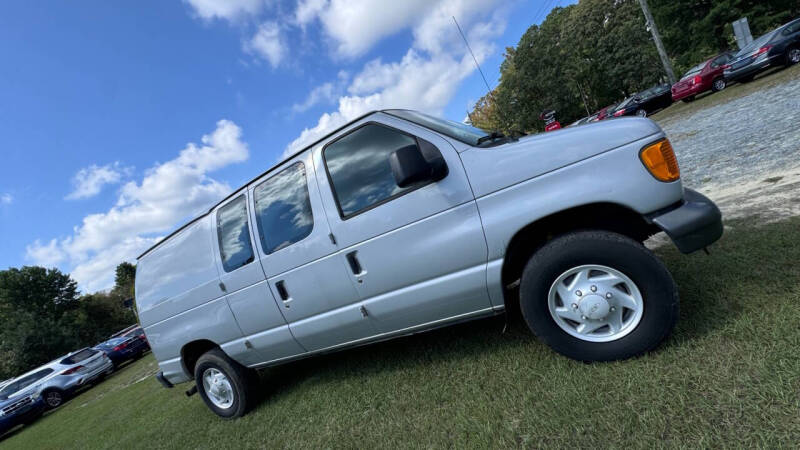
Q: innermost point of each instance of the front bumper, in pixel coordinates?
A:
(25, 415)
(695, 224)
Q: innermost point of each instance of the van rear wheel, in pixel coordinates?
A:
(598, 296)
(226, 387)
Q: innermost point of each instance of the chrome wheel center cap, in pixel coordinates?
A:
(594, 307)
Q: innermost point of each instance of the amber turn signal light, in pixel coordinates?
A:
(660, 161)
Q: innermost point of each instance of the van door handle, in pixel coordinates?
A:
(355, 266)
(281, 288)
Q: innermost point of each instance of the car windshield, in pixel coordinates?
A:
(693, 71)
(459, 131)
(756, 44)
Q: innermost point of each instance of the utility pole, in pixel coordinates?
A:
(659, 45)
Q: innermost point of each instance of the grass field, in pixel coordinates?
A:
(728, 377)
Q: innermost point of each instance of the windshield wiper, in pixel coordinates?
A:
(490, 137)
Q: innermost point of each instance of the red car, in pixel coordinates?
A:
(702, 77)
(603, 113)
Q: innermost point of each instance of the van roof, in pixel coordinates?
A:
(153, 247)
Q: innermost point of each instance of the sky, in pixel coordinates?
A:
(119, 121)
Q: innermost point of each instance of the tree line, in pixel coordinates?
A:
(44, 316)
(586, 56)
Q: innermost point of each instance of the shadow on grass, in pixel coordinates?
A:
(748, 264)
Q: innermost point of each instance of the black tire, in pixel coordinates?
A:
(53, 398)
(719, 84)
(641, 113)
(792, 55)
(242, 380)
(659, 293)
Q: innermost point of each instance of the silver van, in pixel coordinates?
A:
(399, 222)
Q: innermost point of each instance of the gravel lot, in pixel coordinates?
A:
(744, 154)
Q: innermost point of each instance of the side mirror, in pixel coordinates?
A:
(410, 165)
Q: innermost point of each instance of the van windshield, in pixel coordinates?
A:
(459, 131)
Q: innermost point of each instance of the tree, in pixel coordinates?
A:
(125, 280)
(44, 317)
(594, 53)
(35, 307)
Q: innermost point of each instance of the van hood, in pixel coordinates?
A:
(494, 168)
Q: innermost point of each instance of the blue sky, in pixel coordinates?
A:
(121, 120)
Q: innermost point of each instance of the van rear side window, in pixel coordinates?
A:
(283, 209)
(235, 247)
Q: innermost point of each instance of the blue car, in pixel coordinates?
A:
(121, 349)
(18, 410)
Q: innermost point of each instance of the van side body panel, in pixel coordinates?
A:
(540, 186)
(179, 298)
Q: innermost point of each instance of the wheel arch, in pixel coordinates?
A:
(192, 351)
(527, 240)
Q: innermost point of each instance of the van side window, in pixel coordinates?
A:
(359, 170)
(283, 209)
(234, 237)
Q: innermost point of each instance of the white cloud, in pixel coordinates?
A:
(89, 181)
(168, 194)
(324, 93)
(6, 198)
(47, 255)
(357, 25)
(225, 9)
(308, 10)
(269, 43)
(427, 76)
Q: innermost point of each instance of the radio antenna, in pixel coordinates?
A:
(489, 89)
(486, 82)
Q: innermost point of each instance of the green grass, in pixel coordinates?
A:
(765, 80)
(728, 377)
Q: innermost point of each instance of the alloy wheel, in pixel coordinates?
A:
(794, 55)
(53, 399)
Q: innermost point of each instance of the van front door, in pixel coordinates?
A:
(309, 281)
(417, 255)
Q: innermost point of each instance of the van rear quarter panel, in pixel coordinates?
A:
(178, 296)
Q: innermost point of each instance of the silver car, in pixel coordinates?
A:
(60, 378)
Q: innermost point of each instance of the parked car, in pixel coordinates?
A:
(582, 121)
(123, 348)
(604, 113)
(20, 410)
(125, 331)
(706, 76)
(60, 378)
(776, 48)
(139, 333)
(398, 223)
(644, 103)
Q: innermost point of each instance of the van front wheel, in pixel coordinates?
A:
(227, 387)
(598, 296)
